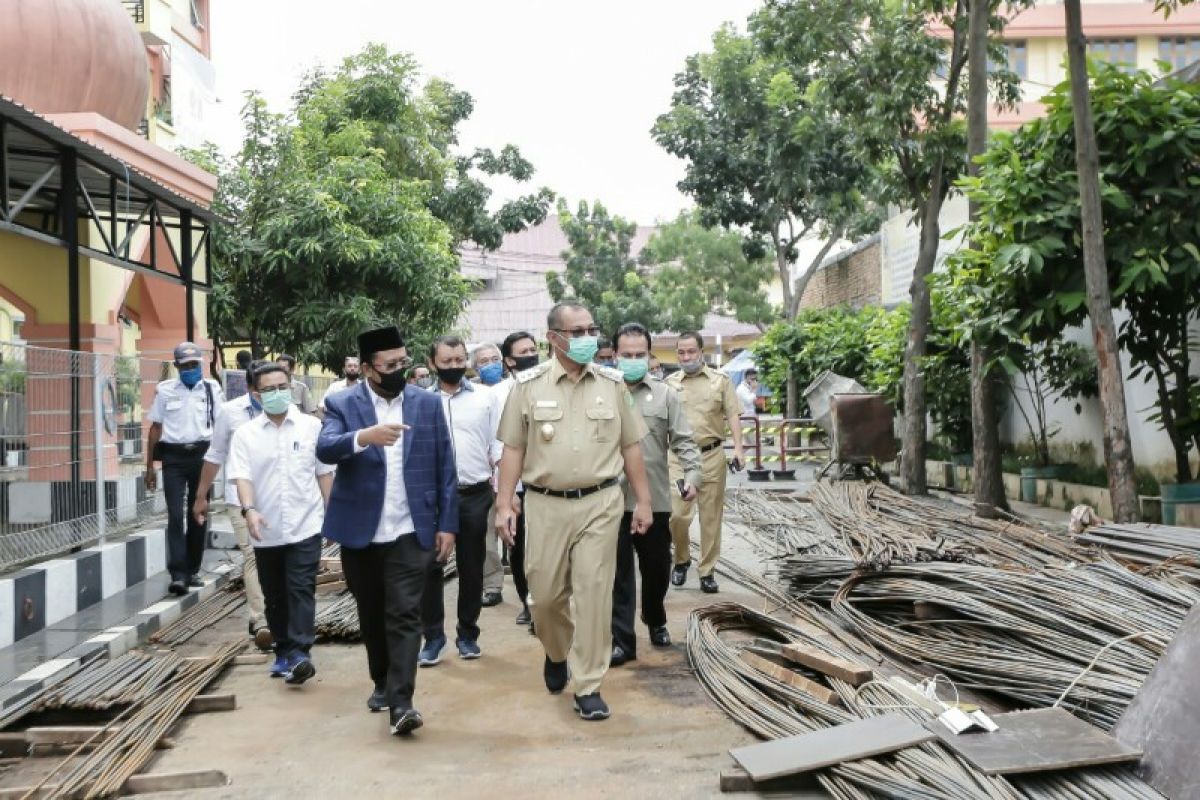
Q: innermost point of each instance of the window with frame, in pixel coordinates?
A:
(1122, 52)
(1016, 55)
(1179, 51)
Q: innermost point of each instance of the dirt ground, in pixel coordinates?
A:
(491, 728)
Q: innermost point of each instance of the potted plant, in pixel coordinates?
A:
(1040, 374)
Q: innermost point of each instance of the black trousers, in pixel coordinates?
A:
(516, 556)
(185, 536)
(387, 581)
(654, 562)
(470, 551)
(288, 574)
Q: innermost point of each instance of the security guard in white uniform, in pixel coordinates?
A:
(181, 427)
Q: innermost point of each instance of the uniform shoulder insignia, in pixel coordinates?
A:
(536, 372)
(611, 373)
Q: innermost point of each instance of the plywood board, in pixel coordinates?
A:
(1036, 741)
(1164, 717)
(850, 742)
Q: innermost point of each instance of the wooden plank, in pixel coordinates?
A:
(851, 673)
(250, 659)
(798, 787)
(1037, 741)
(791, 678)
(13, 745)
(330, 564)
(67, 734)
(330, 577)
(174, 781)
(204, 703)
(850, 742)
(1164, 717)
(332, 588)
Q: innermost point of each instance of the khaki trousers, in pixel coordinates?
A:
(255, 604)
(711, 501)
(493, 567)
(571, 553)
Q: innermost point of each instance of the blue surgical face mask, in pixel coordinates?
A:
(634, 369)
(276, 401)
(491, 374)
(583, 349)
(191, 376)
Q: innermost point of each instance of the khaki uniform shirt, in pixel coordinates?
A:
(572, 432)
(302, 397)
(709, 398)
(669, 428)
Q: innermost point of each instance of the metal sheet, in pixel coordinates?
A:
(849, 742)
(1036, 741)
(862, 429)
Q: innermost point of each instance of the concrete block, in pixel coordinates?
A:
(7, 609)
(127, 495)
(156, 550)
(1187, 515)
(112, 575)
(61, 589)
(30, 503)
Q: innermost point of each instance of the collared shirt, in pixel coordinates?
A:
(302, 397)
(339, 385)
(186, 415)
(709, 399)
(280, 461)
(473, 416)
(232, 416)
(501, 391)
(571, 431)
(745, 396)
(396, 519)
(669, 431)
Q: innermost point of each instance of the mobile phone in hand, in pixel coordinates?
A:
(679, 484)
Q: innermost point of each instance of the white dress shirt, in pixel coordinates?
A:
(232, 416)
(281, 463)
(396, 519)
(745, 396)
(339, 385)
(472, 415)
(185, 413)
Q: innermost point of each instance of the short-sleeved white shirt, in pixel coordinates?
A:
(281, 462)
(232, 416)
(186, 415)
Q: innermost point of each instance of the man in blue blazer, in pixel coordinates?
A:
(393, 509)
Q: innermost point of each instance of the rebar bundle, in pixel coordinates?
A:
(104, 771)
(338, 621)
(109, 684)
(200, 616)
(1171, 550)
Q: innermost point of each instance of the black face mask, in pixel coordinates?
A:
(393, 382)
(522, 363)
(452, 375)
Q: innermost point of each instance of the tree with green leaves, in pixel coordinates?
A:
(701, 270)
(1026, 281)
(600, 272)
(350, 211)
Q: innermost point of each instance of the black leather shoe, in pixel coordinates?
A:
(708, 585)
(591, 707)
(679, 574)
(492, 599)
(524, 618)
(404, 721)
(195, 582)
(378, 700)
(178, 588)
(556, 675)
(660, 636)
(620, 656)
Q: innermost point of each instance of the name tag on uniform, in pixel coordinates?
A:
(547, 404)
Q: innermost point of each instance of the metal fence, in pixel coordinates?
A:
(71, 448)
(72, 439)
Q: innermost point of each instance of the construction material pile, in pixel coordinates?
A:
(124, 681)
(203, 615)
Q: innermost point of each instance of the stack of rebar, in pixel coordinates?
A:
(1178, 549)
(124, 681)
(338, 621)
(200, 616)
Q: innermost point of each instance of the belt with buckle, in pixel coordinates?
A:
(185, 447)
(571, 494)
(704, 448)
(467, 489)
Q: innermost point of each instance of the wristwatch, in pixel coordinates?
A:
(247, 509)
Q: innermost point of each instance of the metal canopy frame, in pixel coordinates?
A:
(50, 180)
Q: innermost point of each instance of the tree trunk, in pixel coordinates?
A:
(1118, 453)
(986, 476)
(913, 463)
(802, 282)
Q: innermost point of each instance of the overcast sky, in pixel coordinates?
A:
(576, 84)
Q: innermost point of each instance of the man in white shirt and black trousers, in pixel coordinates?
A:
(181, 427)
(283, 489)
(472, 415)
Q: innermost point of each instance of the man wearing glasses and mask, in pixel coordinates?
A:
(393, 509)
(569, 428)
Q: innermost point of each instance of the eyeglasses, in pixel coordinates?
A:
(576, 333)
(392, 366)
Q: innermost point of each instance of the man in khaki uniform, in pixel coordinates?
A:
(669, 432)
(569, 428)
(711, 403)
